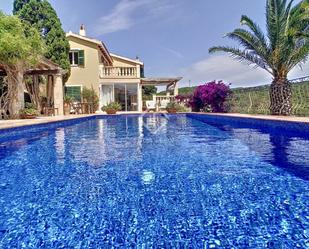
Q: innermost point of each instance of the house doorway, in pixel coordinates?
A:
(124, 93)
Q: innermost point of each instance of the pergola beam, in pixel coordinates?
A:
(170, 83)
(43, 72)
(55, 74)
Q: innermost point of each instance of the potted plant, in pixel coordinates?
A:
(29, 112)
(111, 108)
(67, 102)
(173, 107)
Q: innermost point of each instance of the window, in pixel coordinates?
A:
(77, 57)
(73, 92)
(73, 55)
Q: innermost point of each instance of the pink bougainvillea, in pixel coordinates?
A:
(213, 95)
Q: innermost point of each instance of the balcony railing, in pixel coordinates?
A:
(118, 72)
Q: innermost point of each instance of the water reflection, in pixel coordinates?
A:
(285, 149)
(106, 141)
(9, 145)
(298, 151)
(60, 145)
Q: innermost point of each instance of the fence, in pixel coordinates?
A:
(256, 100)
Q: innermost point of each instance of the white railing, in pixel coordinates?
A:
(159, 98)
(118, 72)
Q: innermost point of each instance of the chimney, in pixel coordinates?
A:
(82, 30)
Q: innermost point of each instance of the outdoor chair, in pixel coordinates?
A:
(151, 105)
(163, 104)
(49, 110)
(77, 108)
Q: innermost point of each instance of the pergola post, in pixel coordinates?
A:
(50, 90)
(176, 89)
(58, 93)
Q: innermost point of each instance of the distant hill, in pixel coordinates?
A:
(182, 90)
(255, 100)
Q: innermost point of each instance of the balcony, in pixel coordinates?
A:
(118, 72)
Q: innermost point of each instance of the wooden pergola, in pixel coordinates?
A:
(170, 83)
(54, 89)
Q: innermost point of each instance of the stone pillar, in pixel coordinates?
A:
(58, 93)
(138, 71)
(140, 97)
(176, 89)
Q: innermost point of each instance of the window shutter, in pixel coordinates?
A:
(74, 92)
(81, 58)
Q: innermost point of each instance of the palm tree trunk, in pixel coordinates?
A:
(281, 97)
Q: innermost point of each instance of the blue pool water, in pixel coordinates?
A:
(154, 182)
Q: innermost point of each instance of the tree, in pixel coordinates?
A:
(149, 90)
(284, 46)
(20, 48)
(41, 15)
(18, 4)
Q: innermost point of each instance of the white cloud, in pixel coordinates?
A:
(222, 67)
(299, 72)
(123, 16)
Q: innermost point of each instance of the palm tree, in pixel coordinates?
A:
(284, 46)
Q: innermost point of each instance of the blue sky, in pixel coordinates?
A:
(171, 37)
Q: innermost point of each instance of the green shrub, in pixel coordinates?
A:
(68, 100)
(90, 96)
(176, 106)
(29, 109)
(111, 106)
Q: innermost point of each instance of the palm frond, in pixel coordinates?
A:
(248, 57)
(250, 42)
(300, 16)
(299, 55)
(287, 17)
(283, 47)
(257, 31)
(272, 22)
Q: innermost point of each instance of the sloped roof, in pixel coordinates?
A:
(127, 59)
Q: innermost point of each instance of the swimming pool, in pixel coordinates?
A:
(155, 181)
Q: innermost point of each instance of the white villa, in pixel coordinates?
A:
(115, 78)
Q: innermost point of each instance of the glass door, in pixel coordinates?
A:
(132, 103)
(107, 94)
(120, 95)
(125, 94)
